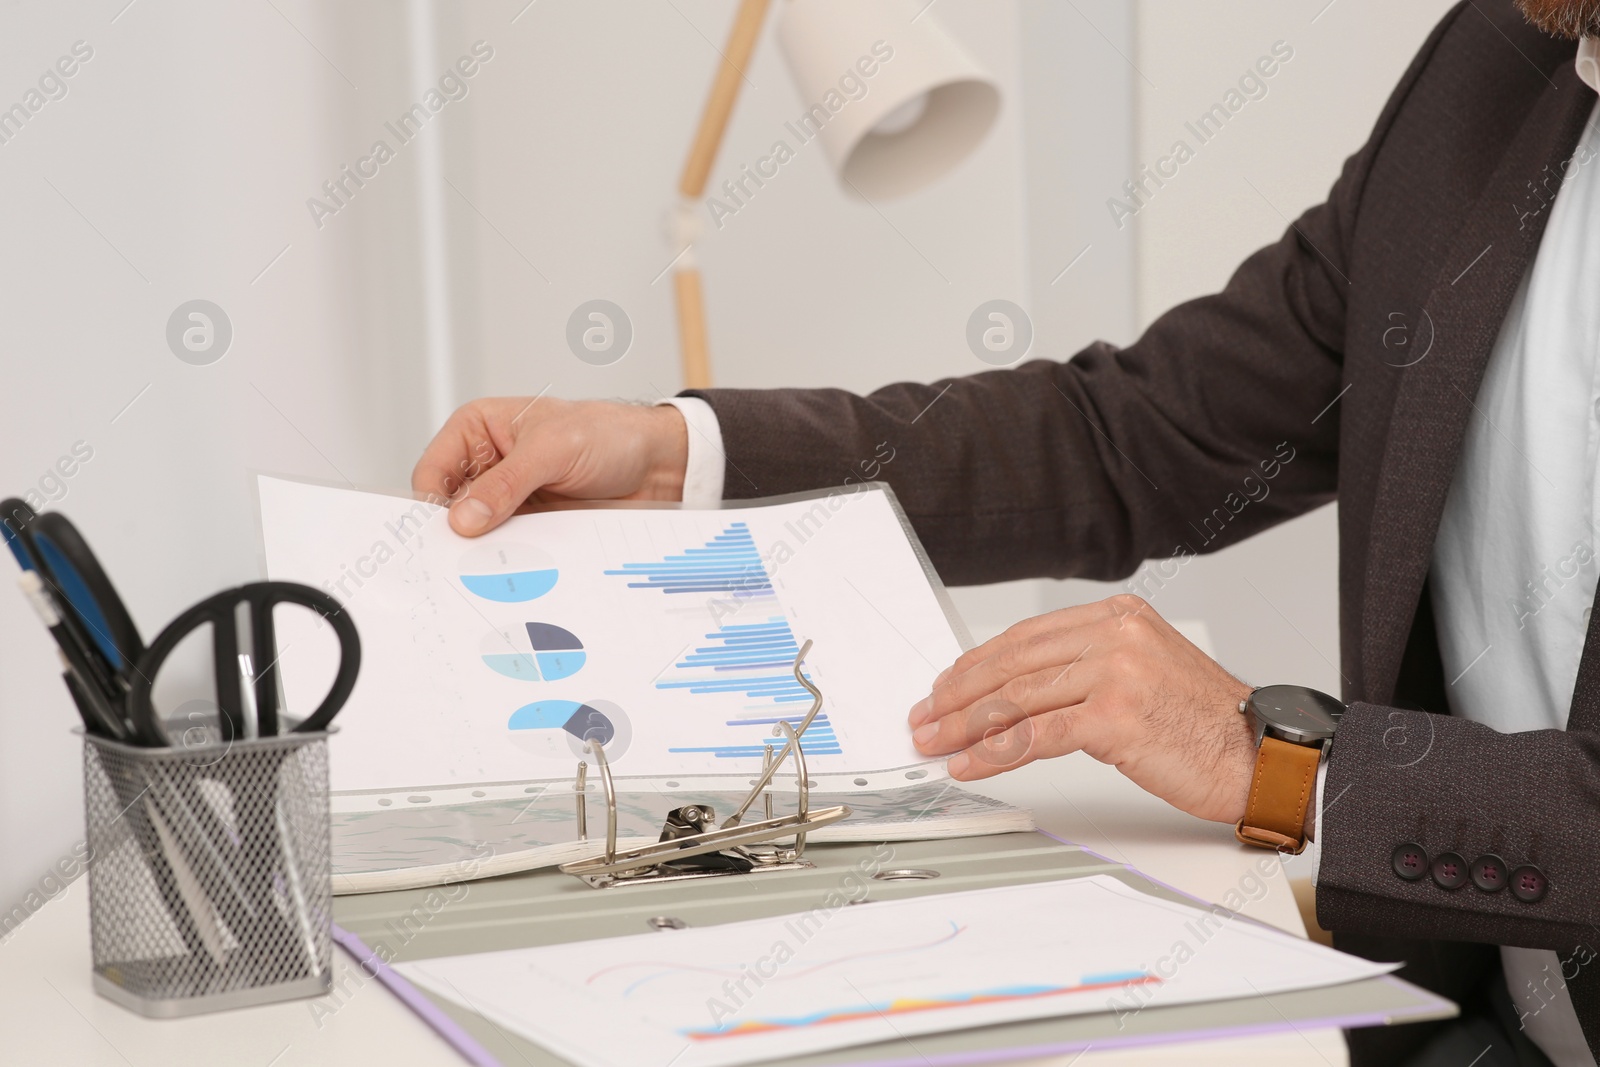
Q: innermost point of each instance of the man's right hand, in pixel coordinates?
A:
(494, 455)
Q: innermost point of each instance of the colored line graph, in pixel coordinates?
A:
(728, 563)
(668, 970)
(1089, 983)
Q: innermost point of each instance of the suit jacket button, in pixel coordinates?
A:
(1528, 884)
(1489, 873)
(1410, 862)
(1449, 870)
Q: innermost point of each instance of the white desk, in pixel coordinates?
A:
(50, 1015)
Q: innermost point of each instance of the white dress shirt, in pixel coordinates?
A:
(702, 480)
(1514, 567)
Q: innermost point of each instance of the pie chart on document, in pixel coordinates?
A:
(507, 573)
(533, 652)
(564, 728)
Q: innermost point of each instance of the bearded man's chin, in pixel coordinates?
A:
(1564, 18)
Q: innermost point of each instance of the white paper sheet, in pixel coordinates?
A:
(844, 976)
(668, 633)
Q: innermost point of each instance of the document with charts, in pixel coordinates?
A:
(839, 976)
(668, 634)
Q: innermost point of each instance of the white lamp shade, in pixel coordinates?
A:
(895, 101)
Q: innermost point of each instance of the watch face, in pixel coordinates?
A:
(1296, 713)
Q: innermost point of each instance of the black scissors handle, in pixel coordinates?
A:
(220, 612)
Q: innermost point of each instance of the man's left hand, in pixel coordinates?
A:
(1112, 679)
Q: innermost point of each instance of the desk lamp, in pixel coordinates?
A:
(924, 107)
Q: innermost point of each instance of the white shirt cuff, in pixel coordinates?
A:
(702, 477)
(1316, 826)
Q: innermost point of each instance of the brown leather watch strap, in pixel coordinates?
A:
(1284, 784)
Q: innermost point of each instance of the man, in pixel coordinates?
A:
(1423, 346)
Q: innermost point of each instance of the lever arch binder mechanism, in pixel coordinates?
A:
(692, 845)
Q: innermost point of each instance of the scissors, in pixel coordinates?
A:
(249, 859)
(220, 612)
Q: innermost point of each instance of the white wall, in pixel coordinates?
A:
(1320, 108)
(177, 167)
(1078, 103)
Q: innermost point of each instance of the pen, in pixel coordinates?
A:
(99, 717)
(252, 713)
(96, 686)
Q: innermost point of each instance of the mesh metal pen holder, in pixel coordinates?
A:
(210, 884)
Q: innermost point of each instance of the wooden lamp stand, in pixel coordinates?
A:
(714, 116)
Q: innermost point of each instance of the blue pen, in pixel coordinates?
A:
(91, 690)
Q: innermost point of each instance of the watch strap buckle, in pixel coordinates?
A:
(1283, 787)
(1253, 835)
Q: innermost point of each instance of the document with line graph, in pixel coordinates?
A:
(840, 976)
(668, 634)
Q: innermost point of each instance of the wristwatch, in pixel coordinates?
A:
(1292, 725)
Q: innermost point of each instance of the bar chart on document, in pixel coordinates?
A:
(669, 636)
(744, 667)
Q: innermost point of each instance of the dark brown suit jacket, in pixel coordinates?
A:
(1087, 467)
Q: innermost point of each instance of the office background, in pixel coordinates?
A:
(177, 163)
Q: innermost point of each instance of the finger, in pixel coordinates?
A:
(1017, 631)
(1040, 693)
(461, 450)
(1022, 631)
(963, 729)
(1057, 649)
(1117, 610)
(1032, 738)
(1077, 615)
(495, 495)
(1060, 638)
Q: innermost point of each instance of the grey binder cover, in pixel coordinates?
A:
(546, 907)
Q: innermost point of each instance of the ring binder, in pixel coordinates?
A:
(691, 846)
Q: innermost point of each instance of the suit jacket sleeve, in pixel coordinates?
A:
(1215, 424)
(1194, 437)
(1449, 785)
